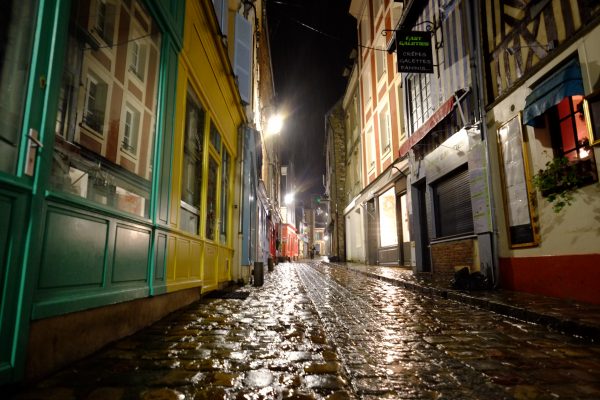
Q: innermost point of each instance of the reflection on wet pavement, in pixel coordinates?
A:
(315, 331)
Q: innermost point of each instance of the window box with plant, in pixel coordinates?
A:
(560, 178)
(573, 165)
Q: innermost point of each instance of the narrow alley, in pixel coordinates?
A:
(319, 331)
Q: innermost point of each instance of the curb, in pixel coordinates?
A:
(562, 325)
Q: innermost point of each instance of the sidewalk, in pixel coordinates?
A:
(569, 317)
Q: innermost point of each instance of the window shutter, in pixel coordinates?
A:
(242, 59)
(221, 11)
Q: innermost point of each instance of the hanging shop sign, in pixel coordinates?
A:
(414, 52)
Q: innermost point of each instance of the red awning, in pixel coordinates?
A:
(431, 123)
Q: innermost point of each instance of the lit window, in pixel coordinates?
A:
(569, 133)
(388, 232)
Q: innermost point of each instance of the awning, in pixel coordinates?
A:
(563, 83)
(427, 126)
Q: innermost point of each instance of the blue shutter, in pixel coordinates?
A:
(221, 11)
(242, 58)
(249, 196)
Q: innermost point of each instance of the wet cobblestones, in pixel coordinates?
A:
(316, 331)
(395, 343)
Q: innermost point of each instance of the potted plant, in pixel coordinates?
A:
(558, 181)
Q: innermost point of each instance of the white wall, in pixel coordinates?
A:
(576, 229)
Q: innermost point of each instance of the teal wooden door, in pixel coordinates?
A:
(24, 60)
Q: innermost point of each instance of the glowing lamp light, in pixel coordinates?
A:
(326, 237)
(289, 198)
(275, 124)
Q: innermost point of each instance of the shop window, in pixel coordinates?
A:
(89, 133)
(388, 232)
(452, 202)
(16, 39)
(225, 171)
(211, 199)
(191, 182)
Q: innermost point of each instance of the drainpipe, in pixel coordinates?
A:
(475, 42)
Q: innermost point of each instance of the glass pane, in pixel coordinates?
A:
(211, 199)
(582, 130)
(224, 226)
(567, 134)
(387, 219)
(106, 119)
(215, 137)
(16, 36)
(405, 226)
(192, 152)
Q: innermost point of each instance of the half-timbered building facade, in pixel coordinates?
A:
(542, 77)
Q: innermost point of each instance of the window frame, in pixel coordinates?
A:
(555, 126)
(193, 153)
(420, 105)
(385, 113)
(371, 155)
(92, 77)
(130, 145)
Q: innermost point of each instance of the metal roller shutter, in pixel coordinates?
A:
(453, 205)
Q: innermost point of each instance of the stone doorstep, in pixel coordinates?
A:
(563, 323)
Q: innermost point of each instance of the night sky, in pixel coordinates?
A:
(311, 41)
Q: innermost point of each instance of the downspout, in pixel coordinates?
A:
(477, 60)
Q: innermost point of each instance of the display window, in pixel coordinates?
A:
(107, 107)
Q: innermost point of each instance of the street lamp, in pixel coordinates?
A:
(275, 124)
(288, 199)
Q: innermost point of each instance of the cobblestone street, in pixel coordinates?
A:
(315, 331)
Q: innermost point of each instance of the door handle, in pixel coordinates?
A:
(33, 136)
(32, 145)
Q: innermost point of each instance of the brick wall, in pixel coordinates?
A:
(445, 256)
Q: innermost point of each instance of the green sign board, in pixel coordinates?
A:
(414, 52)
